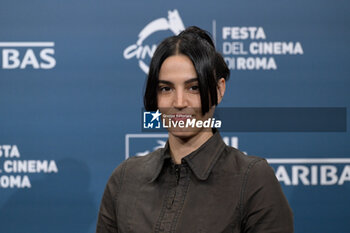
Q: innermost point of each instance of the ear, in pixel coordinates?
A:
(221, 89)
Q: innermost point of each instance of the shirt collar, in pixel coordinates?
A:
(201, 161)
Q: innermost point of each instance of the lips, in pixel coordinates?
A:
(180, 118)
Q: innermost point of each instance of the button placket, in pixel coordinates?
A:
(175, 197)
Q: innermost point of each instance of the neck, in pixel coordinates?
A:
(180, 147)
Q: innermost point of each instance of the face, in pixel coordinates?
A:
(178, 94)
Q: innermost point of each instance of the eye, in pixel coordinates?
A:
(164, 89)
(194, 88)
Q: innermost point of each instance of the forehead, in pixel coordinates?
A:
(177, 67)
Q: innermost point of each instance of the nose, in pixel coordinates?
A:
(180, 100)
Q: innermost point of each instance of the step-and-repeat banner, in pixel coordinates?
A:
(72, 74)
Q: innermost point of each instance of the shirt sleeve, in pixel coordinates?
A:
(265, 208)
(107, 216)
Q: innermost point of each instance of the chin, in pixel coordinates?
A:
(186, 133)
(182, 135)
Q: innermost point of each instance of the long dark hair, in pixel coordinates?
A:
(210, 66)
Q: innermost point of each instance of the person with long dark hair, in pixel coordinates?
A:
(196, 183)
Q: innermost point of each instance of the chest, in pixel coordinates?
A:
(179, 202)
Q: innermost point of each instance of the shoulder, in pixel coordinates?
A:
(263, 204)
(139, 167)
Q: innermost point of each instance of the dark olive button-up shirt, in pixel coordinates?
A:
(216, 189)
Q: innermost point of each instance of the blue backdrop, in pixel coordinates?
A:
(72, 74)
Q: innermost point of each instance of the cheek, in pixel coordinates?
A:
(195, 101)
(163, 101)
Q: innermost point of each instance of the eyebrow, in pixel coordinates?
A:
(186, 82)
